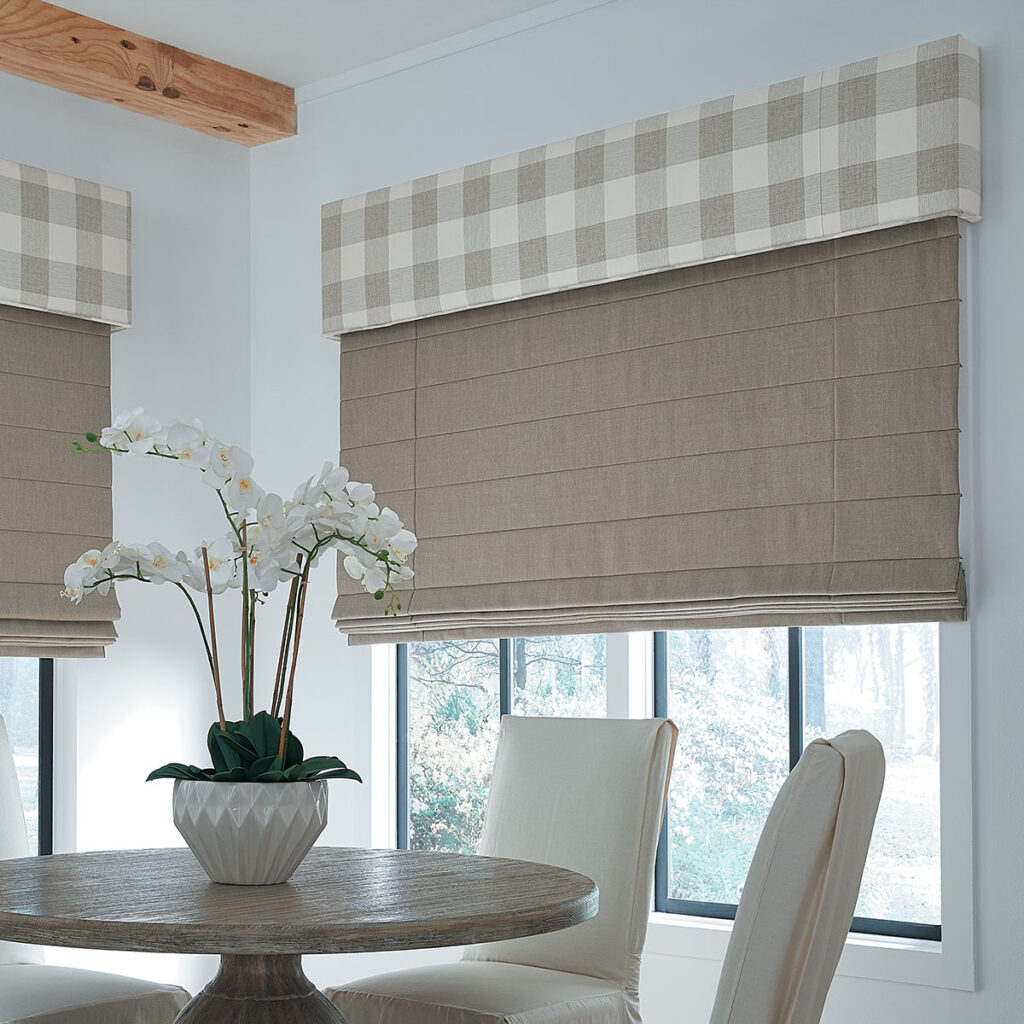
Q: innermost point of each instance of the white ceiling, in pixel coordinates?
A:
(299, 41)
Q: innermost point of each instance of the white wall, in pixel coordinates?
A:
(227, 327)
(612, 64)
(186, 355)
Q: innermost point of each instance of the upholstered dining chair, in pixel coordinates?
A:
(33, 991)
(802, 886)
(585, 794)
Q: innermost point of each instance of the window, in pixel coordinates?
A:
(746, 702)
(26, 705)
(451, 695)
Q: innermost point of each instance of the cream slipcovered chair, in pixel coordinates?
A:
(30, 991)
(802, 886)
(586, 794)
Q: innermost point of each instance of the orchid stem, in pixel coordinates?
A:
(246, 692)
(202, 630)
(282, 658)
(295, 658)
(214, 660)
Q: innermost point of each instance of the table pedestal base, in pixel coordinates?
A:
(260, 990)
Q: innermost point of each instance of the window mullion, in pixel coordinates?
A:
(505, 677)
(45, 801)
(402, 746)
(796, 702)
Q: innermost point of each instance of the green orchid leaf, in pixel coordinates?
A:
(340, 773)
(229, 748)
(319, 764)
(293, 754)
(262, 765)
(272, 776)
(263, 731)
(235, 775)
(174, 770)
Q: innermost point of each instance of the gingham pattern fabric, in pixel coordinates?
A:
(64, 245)
(882, 142)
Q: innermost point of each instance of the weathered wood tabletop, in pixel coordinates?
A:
(339, 901)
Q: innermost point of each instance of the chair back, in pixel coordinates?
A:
(588, 795)
(802, 886)
(13, 839)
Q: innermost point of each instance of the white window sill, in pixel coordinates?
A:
(876, 957)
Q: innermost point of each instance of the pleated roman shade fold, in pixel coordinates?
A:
(54, 386)
(769, 440)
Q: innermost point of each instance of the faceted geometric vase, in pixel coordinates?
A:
(250, 833)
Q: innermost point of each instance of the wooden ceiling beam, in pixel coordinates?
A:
(78, 54)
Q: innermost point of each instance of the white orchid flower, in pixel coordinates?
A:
(89, 560)
(361, 494)
(264, 568)
(156, 562)
(388, 522)
(111, 555)
(228, 460)
(221, 561)
(335, 481)
(270, 516)
(380, 531)
(375, 580)
(337, 517)
(312, 490)
(189, 444)
(243, 493)
(271, 541)
(403, 544)
(134, 431)
(75, 580)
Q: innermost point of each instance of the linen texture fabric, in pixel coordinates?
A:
(802, 887)
(584, 794)
(65, 245)
(770, 440)
(43, 994)
(54, 386)
(880, 142)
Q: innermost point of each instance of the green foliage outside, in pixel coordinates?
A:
(453, 722)
(453, 734)
(728, 693)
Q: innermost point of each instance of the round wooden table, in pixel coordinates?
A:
(339, 901)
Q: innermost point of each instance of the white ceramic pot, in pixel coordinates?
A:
(250, 833)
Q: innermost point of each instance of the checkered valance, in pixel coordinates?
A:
(64, 245)
(881, 142)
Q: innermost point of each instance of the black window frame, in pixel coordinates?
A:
(45, 818)
(44, 749)
(727, 911)
(663, 903)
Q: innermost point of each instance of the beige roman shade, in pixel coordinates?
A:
(54, 386)
(768, 440)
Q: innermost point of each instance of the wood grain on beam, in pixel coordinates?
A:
(78, 54)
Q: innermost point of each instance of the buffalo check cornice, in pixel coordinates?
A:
(881, 142)
(64, 245)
